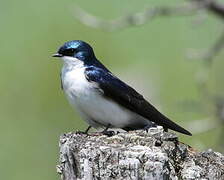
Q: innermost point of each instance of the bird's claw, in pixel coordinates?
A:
(108, 133)
(81, 132)
(146, 128)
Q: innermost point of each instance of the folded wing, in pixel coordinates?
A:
(126, 96)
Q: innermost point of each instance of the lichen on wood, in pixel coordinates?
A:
(135, 155)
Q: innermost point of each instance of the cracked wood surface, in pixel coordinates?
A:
(135, 155)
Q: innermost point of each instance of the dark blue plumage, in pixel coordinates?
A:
(115, 89)
(82, 51)
(126, 96)
(79, 49)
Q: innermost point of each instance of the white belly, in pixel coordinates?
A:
(96, 109)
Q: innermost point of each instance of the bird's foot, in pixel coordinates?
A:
(83, 132)
(146, 128)
(108, 133)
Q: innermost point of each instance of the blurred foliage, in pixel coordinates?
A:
(152, 57)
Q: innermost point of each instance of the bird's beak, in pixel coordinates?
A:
(57, 55)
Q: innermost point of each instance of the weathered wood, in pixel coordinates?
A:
(135, 155)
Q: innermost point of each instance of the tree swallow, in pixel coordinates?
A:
(102, 99)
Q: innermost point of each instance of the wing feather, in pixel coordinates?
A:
(126, 96)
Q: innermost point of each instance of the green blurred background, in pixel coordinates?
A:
(151, 57)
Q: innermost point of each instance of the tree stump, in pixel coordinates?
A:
(136, 155)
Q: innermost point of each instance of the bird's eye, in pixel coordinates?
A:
(69, 52)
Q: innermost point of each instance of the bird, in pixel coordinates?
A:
(101, 98)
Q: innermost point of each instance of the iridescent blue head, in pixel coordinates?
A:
(76, 49)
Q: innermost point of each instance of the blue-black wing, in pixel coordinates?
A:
(126, 96)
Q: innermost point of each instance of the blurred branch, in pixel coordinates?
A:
(135, 19)
(140, 18)
(213, 6)
(215, 49)
(219, 103)
(209, 54)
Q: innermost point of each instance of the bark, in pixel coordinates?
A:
(135, 155)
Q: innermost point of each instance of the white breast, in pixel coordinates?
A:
(96, 109)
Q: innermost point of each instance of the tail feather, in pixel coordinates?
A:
(167, 123)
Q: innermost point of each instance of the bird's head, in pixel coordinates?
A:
(76, 51)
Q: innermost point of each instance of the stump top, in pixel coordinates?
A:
(135, 155)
